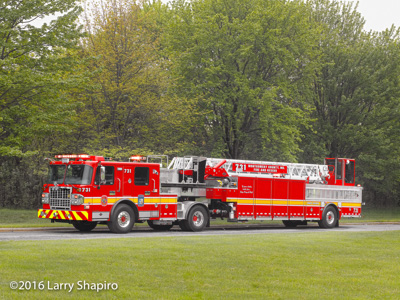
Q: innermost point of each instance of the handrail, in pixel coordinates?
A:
(119, 185)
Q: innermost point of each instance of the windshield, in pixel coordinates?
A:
(56, 174)
(79, 174)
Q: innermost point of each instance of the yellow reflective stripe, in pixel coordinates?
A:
(166, 200)
(280, 202)
(292, 202)
(268, 202)
(147, 200)
(313, 203)
(242, 201)
(45, 211)
(60, 213)
(298, 202)
(94, 200)
(79, 218)
(76, 216)
(40, 212)
(273, 202)
(98, 200)
(349, 204)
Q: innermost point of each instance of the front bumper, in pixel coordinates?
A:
(63, 215)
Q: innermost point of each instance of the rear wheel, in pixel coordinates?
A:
(197, 219)
(84, 226)
(289, 224)
(158, 227)
(122, 219)
(329, 218)
(293, 224)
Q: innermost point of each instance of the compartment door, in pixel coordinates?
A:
(297, 192)
(245, 203)
(263, 198)
(280, 193)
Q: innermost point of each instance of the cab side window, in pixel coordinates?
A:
(339, 170)
(109, 176)
(349, 172)
(141, 176)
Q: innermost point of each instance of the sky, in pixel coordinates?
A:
(379, 14)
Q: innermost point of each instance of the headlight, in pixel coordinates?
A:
(77, 199)
(45, 198)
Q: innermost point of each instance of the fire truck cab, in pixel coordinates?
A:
(342, 171)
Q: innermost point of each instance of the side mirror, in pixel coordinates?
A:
(102, 175)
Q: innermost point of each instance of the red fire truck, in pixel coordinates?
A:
(87, 190)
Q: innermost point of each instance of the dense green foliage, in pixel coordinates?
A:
(253, 79)
(356, 98)
(128, 107)
(36, 75)
(248, 62)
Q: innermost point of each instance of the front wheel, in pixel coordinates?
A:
(329, 218)
(84, 226)
(122, 219)
(183, 225)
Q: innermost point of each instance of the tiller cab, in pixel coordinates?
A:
(87, 190)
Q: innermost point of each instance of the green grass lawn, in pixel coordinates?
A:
(376, 215)
(332, 265)
(28, 218)
(24, 218)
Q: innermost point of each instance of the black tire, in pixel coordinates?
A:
(84, 226)
(329, 218)
(289, 224)
(159, 227)
(197, 218)
(183, 225)
(122, 219)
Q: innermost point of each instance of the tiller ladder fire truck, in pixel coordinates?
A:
(87, 190)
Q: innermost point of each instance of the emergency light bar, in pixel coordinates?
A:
(65, 158)
(72, 156)
(137, 158)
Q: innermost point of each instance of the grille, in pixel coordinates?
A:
(60, 198)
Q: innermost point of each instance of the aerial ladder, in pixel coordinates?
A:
(217, 167)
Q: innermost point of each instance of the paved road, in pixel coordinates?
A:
(102, 232)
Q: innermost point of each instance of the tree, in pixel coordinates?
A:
(356, 96)
(249, 63)
(35, 72)
(127, 98)
(34, 64)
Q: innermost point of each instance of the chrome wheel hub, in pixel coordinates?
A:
(330, 217)
(123, 219)
(198, 218)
